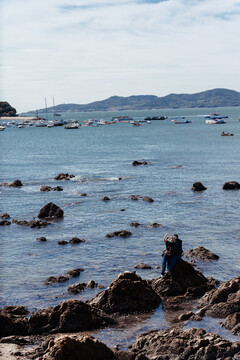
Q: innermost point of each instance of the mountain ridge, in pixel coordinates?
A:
(218, 97)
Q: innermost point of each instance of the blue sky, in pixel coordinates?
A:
(81, 51)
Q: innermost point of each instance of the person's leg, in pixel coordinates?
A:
(164, 262)
(172, 262)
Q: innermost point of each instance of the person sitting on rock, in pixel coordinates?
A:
(177, 252)
(167, 254)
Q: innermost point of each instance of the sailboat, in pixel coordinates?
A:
(55, 114)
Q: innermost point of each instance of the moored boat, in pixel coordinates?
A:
(71, 126)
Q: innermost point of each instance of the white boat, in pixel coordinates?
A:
(215, 121)
(2, 127)
(71, 126)
(50, 124)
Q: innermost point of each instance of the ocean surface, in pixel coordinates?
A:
(179, 155)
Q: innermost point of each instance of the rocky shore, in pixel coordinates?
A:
(66, 330)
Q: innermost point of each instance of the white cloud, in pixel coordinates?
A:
(81, 51)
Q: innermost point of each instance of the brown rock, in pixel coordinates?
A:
(15, 183)
(57, 188)
(92, 284)
(142, 266)
(137, 163)
(74, 272)
(4, 215)
(42, 238)
(232, 322)
(147, 199)
(231, 185)
(201, 253)
(68, 316)
(5, 222)
(198, 186)
(45, 188)
(105, 198)
(128, 293)
(50, 280)
(135, 197)
(184, 279)
(76, 240)
(121, 233)
(84, 194)
(77, 348)
(155, 225)
(190, 344)
(64, 176)
(51, 211)
(13, 321)
(32, 223)
(136, 224)
(77, 288)
(62, 242)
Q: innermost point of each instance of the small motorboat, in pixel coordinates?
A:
(182, 122)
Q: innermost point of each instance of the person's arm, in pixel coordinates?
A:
(166, 237)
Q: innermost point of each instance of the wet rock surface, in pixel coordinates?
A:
(4, 215)
(185, 280)
(5, 222)
(64, 176)
(32, 223)
(63, 277)
(76, 240)
(42, 238)
(128, 293)
(76, 348)
(15, 183)
(120, 233)
(51, 211)
(198, 186)
(231, 185)
(137, 163)
(223, 303)
(142, 266)
(49, 188)
(201, 253)
(13, 320)
(183, 345)
(106, 198)
(144, 198)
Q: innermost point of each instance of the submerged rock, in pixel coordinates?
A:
(106, 198)
(120, 233)
(62, 242)
(42, 238)
(142, 266)
(231, 185)
(137, 163)
(64, 176)
(128, 293)
(201, 253)
(5, 222)
(76, 348)
(77, 288)
(32, 223)
(15, 183)
(4, 215)
(76, 240)
(74, 272)
(198, 186)
(147, 199)
(49, 188)
(155, 225)
(51, 211)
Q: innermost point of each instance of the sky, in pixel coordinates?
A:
(80, 51)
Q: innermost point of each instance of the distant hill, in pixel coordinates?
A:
(6, 109)
(209, 98)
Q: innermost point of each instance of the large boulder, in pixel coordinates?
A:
(51, 211)
(77, 348)
(184, 278)
(13, 321)
(190, 344)
(201, 253)
(198, 186)
(68, 316)
(221, 302)
(231, 185)
(128, 293)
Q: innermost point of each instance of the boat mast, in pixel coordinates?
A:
(46, 109)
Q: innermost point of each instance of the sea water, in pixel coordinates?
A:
(101, 158)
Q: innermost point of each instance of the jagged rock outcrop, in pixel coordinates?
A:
(184, 280)
(198, 186)
(201, 253)
(190, 344)
(51, 211)
(231, 185)
(223, 303)
(128, 293)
